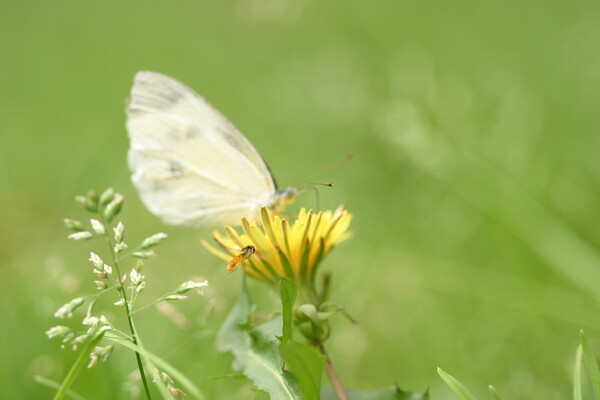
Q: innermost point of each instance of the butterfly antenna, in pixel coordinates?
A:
(327, 168)
(317, 195)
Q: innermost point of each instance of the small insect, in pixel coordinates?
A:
(245, 253)
(190, 165)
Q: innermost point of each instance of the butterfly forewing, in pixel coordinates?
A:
(190, 165)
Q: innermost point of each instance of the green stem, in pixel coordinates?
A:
(103, 292)
(340, 391)
(127, 310)
(148, 305)
(129, 253)
(76, 368)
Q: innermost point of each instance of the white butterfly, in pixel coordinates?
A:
(190, 165)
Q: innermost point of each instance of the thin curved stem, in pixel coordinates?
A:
(134, 337)
(148, 305)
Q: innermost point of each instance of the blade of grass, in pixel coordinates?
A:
(591, 365)
(528, 218)
(494, 393)
(577, 375)
(188, 385)
(456, 386)
(76, 367)
(42, 380)
(157, 379)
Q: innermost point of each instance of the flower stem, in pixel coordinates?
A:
(340, 391)
(128, 311)
(148, 305)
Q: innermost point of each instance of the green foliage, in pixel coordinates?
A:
(190, 387)
(56, 386)
(428, 94)
(386, 393)
(591, 365)
(577, 374)
(494, 393)
(256, 349)
(110, 280)
(287, 292)
(457, 387)
(81, 360)
(306, 363)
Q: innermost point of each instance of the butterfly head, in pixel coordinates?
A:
(283, 197)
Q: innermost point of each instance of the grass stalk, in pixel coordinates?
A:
(134, 337)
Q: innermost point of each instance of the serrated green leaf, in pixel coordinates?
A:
(287, 291)
(591, 365)
(494, 393)
(456, 386)
(233, 335)
(306, 363)
(256, 350)
(385, 393)
(577, 395)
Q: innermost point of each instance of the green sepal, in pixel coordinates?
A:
(287, 292)
(316, 317)
(289, 272)
(325, 287)
(307, 329)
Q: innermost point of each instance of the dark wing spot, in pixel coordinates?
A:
(192, 132)
(175, 169)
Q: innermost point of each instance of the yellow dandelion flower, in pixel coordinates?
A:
(273, 247)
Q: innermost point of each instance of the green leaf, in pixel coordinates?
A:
(591, 365)
(256, 350)
(157, 379)
(287, 291)
(189, 387)
(229, 376)
(233, 333)
(306, 363)
(77, 366)
(577, 375)
(385, 393)
(495, 393)
(456, 386)
(42, 380)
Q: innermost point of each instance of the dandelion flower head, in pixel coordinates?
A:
(284, 249)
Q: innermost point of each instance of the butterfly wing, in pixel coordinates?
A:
(190, 165)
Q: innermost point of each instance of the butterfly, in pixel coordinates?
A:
(189, 164)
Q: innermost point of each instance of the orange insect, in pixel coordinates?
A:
(245, 253)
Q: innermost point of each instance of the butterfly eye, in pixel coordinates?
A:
(289, 192)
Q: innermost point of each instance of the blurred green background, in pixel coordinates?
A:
(475, 187)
